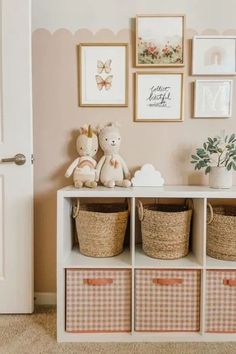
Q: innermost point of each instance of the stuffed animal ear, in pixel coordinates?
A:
(113, 124)
(84, 129)
(97, 129)
(117, 124)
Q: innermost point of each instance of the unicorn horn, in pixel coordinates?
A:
(90, 132)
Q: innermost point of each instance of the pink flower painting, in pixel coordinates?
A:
(160, 40)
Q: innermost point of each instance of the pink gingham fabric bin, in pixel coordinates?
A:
(221, 301)
(98, 300)
(167, 300)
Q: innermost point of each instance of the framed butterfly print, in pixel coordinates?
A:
(103, 74)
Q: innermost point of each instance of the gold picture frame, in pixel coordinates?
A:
(159, 54)
(111, 77)
(163, 99)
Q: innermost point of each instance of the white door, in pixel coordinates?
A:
(16, 181)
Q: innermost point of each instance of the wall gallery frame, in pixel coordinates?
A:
(158, 97)
(160, 40)
(103, 74)
(213, 98)
(214, 55)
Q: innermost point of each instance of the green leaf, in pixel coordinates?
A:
(231, 138)
(194, 157)
(207, 170)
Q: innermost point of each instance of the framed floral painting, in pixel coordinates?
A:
(160, 40)
(103, 74)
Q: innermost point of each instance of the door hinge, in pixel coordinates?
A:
(32, 158)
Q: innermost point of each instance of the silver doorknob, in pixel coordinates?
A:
(18, 159)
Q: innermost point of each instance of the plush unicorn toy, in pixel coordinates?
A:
(84, 166)
(111, 169)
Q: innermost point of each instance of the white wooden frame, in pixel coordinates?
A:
(196, 89)
(67, 257)
(195, 56)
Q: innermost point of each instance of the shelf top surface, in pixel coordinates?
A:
(77, 260)
(173, 191)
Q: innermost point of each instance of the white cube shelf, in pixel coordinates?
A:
(133, 257)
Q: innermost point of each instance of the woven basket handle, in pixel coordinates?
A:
(127, 201)
(189, 203)
(75, 209)
(209, 221)
(140, 210)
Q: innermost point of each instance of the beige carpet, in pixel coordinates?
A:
(36, 334)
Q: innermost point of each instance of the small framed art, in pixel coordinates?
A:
(158, 97)
(213, 98)
(160, 40)
(214, 55)
(103, 74)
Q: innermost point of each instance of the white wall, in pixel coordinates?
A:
(116, 14)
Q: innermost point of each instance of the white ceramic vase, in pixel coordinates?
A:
(220, 177)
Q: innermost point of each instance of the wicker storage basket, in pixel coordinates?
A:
(221, 232)
(101, 228)
(165, 230)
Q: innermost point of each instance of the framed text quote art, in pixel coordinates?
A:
(103, 74)
(158, 97)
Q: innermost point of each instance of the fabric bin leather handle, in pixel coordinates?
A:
(167, 281)
(229, 282)
(97, 281)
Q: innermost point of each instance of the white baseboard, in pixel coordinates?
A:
(45, 298)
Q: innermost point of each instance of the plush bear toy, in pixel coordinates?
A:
(84, 167)
(112, 169)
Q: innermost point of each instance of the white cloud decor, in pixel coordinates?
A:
(147, 176)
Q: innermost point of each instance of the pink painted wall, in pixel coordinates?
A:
(57, 118)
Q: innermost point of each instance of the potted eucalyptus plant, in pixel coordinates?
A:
(218, 157)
